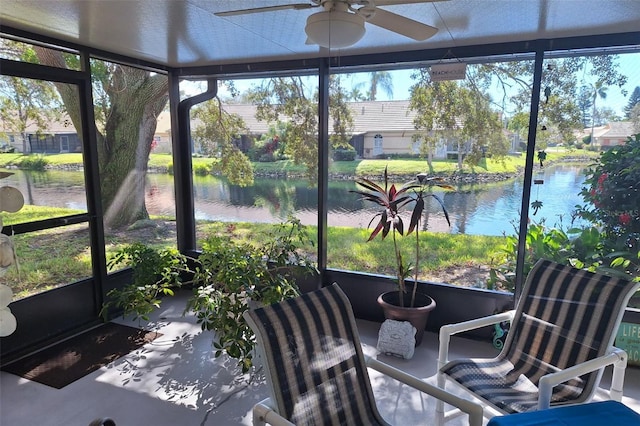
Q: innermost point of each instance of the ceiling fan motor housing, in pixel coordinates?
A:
(335, 29)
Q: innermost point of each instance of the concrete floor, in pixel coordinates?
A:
(175, 380)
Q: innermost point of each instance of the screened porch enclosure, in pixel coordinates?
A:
(51, 314)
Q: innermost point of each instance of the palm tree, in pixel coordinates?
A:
(377, 79)
(599, 90)
(356, 94)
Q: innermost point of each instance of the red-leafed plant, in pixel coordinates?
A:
(410, 197)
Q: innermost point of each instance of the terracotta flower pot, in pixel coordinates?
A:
(417, 316)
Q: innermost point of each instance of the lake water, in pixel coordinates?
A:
(480, 209)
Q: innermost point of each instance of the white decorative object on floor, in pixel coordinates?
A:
(397, 338)
(8, 321)
(11, 200)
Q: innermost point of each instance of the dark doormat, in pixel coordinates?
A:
(68, 361)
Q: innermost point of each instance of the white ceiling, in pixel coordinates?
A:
(181, 33)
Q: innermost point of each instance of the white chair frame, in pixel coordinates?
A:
(265, 413)
(615, 357)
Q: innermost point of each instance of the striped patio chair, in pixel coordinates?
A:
(315, 366)
(561, 338)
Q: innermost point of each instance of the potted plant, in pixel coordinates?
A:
(401, 304)
(228, 278)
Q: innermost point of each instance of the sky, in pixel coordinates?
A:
(629, 65)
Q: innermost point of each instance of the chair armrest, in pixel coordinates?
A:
(616, 356)
(473, 409)
(446, 331)
(264, 414)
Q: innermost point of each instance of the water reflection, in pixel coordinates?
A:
(480, 209)
(50, 188)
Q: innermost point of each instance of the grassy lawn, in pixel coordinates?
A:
(413, 167)
(10, 159)
(59, 256)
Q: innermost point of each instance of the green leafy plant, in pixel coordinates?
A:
(389, 219)
(611, 244)
(202, 169)
(228, 278)
(232, 277)
(344, 154)
(584, 248)
(580, 247)
(34, 162)
(156, 273)
(612, 195)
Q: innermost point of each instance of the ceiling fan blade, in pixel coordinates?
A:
(295, 6)
(397, 2)
(401, 25)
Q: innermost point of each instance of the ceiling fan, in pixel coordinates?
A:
(341, 22)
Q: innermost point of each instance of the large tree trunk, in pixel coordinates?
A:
(460, 153)
(124, 151)
(135, 99)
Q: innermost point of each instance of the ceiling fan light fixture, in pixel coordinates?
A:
(335, 29)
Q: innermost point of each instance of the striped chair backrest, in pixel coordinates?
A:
(313, 359)
(565, 316)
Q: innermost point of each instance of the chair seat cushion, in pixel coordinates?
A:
(610, 413)
(506, 386)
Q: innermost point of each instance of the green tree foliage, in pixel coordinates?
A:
(356, 95)
(342, 120)
(271, 146)
(455, 112)
(634, 101)
(585, 104)
(216, 136)
(519, 124)
(26, 106)
(606, 115)
(289, 99)
(564, 77)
